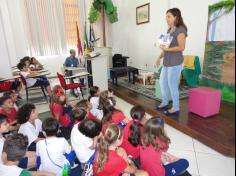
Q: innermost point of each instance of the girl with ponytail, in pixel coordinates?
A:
(111, 160)
(113, 116)
(133, 130)
(153, 155)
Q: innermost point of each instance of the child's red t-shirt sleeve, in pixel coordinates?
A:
(118, 117)
(57, 111)
(116, 165)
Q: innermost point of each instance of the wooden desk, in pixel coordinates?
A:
(77, 75)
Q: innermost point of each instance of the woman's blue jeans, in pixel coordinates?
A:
(169, 82)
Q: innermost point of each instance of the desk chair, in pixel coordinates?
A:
(27, 89)
(71, 86)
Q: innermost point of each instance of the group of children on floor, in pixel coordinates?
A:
(90, 138)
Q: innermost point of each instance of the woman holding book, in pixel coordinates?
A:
(172, 62)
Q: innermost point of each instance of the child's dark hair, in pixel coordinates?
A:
(90, 128)
(79, 114)
(4, 99)
(8, 94)
(50, 127)
(15, 146)
(3, 118)
(25, 59)
(21, 65)
(93, 91)
(108, 111)
(24, 113)
(153, 129)
(83, 104)
(137, 113)
(104, 98)
(110, 135)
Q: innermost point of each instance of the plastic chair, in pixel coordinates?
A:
(27, 89)
(70, 86)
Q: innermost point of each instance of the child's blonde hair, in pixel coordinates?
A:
(110, 135)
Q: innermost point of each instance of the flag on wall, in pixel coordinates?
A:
(91, 37)
(86, 41)
(79, 45)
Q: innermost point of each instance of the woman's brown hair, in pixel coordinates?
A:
(110, 135)
(153, 129)
(179, 19)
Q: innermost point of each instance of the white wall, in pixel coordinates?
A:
(5, 68)
(137, 41)
(14, 32)
(195, 15)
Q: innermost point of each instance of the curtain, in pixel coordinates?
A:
(45, 27)
(71, 18)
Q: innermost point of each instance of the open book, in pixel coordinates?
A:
(165, 40)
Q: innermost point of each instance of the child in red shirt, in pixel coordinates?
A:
(133, 130)
(111, 160)
(113, 116)
(153, 154)
(87, 106)
(62, 111)
(7, 109)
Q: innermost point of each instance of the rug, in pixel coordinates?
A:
(148, 91)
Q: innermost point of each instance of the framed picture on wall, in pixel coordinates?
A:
(143, 14)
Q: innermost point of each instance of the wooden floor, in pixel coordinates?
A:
(217, 132)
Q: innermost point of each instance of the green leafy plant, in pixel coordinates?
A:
(226, 5)
(96, 10)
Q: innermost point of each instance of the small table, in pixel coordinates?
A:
(121, 71)
(144, 75)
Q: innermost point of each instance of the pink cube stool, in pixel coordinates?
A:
(204, 101)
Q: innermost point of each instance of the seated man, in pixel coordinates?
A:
(72, 61)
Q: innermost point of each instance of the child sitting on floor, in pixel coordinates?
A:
(94, 100)
(84, 138)
(29, 161)
(7, 109)
(13, 97)
(4, 128)
(133, 130)
(54, 152)
(113, 116)
(79, 115)
(106, 96)
(62, 110)
(15, 147)
(153, 155)
(30, 126)
(112, 160)
(33, 82)
(87, 106)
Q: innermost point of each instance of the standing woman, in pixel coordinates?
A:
(172, 61)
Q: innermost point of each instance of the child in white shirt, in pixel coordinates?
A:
(84, 138)
(14, 149)
(53, 150)
(31, 126)
(94, 100)
(33, 82)
(4, 128)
